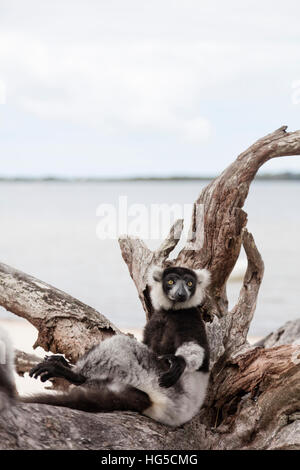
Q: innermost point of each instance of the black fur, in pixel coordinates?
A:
(95, 399)
(179, 273)
(169, 329)
(56, 366)
(176, 367)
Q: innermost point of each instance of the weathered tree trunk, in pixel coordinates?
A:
(253, 401)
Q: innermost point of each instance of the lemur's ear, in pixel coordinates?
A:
(203, 277)
(155, 274)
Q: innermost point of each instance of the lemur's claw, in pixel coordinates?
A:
(42, 370)
(46, 376)
(52, 366)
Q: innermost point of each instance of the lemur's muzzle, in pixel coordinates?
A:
(181, 295)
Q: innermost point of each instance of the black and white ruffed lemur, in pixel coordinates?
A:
(165, 377)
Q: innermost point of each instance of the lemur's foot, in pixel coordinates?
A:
(47, 369)
(53, 367)
(59, 359)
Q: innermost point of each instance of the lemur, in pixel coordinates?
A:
(165, 377)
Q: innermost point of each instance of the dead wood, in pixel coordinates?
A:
(253, 401)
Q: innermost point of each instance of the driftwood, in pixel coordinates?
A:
(253, 401)
(65, 324)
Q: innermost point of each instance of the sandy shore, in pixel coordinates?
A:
(24, 335)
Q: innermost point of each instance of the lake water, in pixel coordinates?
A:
(49, 230)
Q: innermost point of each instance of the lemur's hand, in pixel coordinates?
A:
(177, 366)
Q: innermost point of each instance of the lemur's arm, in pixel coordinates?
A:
(56, 366)
(189, 356)
(177, 365)
(193, 355)
(191, 343)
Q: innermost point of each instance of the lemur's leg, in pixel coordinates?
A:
(54, 366)
(100, 398)
(121, 361)
(124, 362)
(119, 374)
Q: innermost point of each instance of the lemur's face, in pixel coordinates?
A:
(176, 288)
(179, 285)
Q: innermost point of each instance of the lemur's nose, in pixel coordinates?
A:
(181, 296)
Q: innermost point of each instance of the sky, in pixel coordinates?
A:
(137, 88)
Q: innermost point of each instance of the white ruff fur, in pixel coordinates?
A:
(161, 301)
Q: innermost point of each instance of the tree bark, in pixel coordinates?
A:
(253, 401)
(65, 324)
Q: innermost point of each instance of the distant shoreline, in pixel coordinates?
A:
(56, 179)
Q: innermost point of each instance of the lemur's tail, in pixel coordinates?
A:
(93, 400)
(7, 381)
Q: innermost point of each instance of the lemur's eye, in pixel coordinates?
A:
(170, 282)
(190, 283)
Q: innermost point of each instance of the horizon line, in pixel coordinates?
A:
(286, 175)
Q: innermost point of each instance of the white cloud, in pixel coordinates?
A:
(155, 69)
(147, 87)
(115, 88)
(154, 83)
(197, 129)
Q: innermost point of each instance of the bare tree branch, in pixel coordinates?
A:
(224, 219)
(289, 333)
(139, 259)
(239, 319)
(65, 324)
(24, 362)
